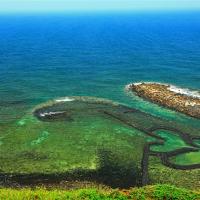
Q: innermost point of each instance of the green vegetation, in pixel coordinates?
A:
(157, 192)
(160, 174)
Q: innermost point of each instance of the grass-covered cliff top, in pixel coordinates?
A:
(157, 192)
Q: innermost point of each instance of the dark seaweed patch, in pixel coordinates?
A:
(48, 115)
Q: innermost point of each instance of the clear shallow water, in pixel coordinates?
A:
(173, 142)
(47, 57)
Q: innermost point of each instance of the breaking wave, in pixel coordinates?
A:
(172, 88)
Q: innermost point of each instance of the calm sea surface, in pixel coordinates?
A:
(43, 57)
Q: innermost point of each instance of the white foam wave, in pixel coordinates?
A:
(172, 88)
(130, 85)
(50, 113)
(184, 91)
(149, 82)
(65, 99)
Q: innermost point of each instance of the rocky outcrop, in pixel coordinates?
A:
(177, 99)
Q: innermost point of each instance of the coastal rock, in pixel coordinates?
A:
(165, 95)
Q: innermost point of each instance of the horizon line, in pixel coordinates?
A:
(75, 11)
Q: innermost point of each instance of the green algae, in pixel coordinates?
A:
(44, 135)
(68, 147)
(172, 141)
(21, 122)
(60, 146)
(63, 135)
(190, 158)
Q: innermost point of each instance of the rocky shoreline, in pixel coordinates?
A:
(163, 95)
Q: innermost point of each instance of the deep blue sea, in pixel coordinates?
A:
(46, 56)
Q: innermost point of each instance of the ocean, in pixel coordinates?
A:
(43, 57)
(50, 56)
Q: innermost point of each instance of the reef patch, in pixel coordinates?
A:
(89, 138)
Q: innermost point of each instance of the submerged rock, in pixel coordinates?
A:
(65, 109)
(182, 100)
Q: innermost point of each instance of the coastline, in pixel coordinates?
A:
(178, 99)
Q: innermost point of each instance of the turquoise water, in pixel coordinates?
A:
(49, 56)
(46, 57)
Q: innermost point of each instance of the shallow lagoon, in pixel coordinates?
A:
(89, 136)
(42, 60)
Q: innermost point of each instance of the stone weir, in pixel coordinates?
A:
(179, 99)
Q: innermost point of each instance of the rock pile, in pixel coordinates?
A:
(162, 95)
